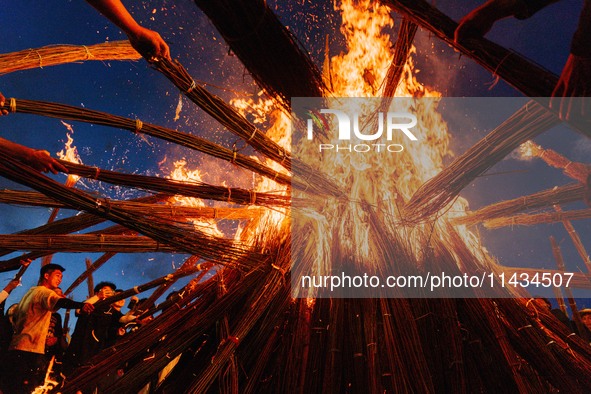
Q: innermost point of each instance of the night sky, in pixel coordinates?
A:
(134, 90)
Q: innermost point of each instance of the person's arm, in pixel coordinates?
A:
(8, 289)
(147, 42)
(479, 21)
(3, 296)
(67, 303)
(128, 317)
(36, 158)
(2, 102)
(571, 94)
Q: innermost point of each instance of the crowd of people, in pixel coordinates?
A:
(34, 339)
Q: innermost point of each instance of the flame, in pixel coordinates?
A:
(70, 153)
(182, 173)
(529, 150)
(393, 178)
(262, 111)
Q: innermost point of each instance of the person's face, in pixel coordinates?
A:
(119, 304)
(586, 319)
(53, 279)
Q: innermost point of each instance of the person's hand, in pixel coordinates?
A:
(13, 284)
(569, 95)
(480, 20)
(149, 44)
(474, 25)
(50, 341)
(2, 101)
(145, 320)
(105, 292)
(25, 262)
(42, 161)
(87, 308)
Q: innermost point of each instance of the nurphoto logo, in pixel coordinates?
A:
(349, 126)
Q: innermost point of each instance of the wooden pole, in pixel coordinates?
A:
(89, 270)
(89, 277)
(569, 294)
(188, 264)
(559, 299)
(576, 240)
(146, 286)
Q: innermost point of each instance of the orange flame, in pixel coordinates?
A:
(70, 153)
(182, 173)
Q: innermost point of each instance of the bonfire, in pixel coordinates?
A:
(243, 323)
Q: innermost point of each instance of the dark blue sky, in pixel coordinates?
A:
(134, 90)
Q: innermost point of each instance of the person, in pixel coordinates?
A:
(56, 343)
(25, 361)
(96, 331)
(585, 315)
(148, 43)
(6, 331)
(575, 79)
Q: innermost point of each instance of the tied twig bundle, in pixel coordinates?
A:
(14, 262)
(547, 198)
(529, 121)
(74, 223)
(63, 111)
(53, 55)
(223, 112)
(312, 180)
(185, 188)
(538, 218)
(83, 243)
(184, 237)
(146, 204)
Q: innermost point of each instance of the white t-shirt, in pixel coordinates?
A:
(31, 319)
